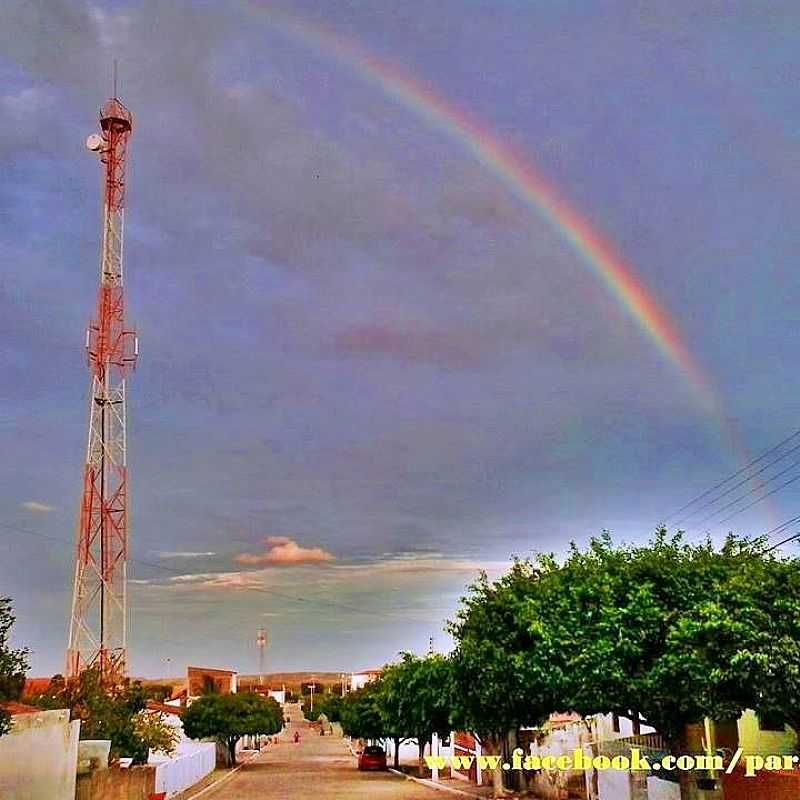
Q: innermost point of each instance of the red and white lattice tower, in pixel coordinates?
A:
(99, 620)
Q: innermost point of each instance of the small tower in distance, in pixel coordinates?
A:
(261, 644)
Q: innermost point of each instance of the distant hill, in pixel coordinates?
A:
(292, 680)
(273, 680)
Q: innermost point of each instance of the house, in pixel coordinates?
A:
(358, 680)
(278, 695)
(204, 680)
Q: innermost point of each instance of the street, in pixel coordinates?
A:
(317, 768)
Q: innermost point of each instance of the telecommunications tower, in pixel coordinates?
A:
(99, 619)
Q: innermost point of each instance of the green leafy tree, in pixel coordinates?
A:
(361, 715)
(758, 613)
(660, 630)
(105, 712)
(327, 704)
(228, 717)
(505, 674)
(152, 729)
(669, 631)
(415, 698)
(13, 662)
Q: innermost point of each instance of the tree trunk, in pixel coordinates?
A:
(686, 781)
(496, 743)
(421, 757)
(594, 789)
(397, 753)
(232, 750)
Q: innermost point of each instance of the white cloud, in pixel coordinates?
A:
(40, 508)
(184, 554)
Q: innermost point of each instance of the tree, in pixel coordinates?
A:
(13, 662)
(669, 631)
(654, 631)
(327, 704)
(415, 698)
(658, 630)
(151, 728)
(228, 717)
(505, 674)
(761, 602)
(108, 712)
(361, 715)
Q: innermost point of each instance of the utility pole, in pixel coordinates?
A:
(312, 686)
(98, 630)
(261, 643)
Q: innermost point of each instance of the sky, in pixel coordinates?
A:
(370, 364)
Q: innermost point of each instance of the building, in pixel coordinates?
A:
(205, 680)
(279, 695)
(358, 680)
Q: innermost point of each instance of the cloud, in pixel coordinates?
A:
(184, 554)
(405, 344)
(40, 508)
(283, 551)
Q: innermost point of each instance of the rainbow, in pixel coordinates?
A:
(523, 180)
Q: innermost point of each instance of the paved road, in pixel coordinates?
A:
(317, 768)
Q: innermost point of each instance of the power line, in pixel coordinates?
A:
(743, 481)
(734, 475)
(783, 526)
(762, 485)
(759, 499)
(785, 541)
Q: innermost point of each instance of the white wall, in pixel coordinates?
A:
(39, 757)
(614, 784)
(662, 790)
(191, 763)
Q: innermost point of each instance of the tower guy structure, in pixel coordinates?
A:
(99, 619)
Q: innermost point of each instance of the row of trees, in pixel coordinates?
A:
(668, 631)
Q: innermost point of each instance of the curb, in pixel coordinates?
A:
(434, 785)
(224, 778)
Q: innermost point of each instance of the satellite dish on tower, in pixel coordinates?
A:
(95, 142)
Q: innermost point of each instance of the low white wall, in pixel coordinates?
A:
(614, 784)
(662, 790)
(191, 762)
(39, 757)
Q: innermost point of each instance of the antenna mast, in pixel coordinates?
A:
(261, 644)
(98, 628)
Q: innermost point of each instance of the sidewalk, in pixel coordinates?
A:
(449, 786)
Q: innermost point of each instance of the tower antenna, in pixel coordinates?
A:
(261, 644)
(98, 630)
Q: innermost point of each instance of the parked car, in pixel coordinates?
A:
(372, 757)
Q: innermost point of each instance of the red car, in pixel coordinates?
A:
(372, 757)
